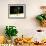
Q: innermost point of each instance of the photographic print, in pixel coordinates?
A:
(16, 11)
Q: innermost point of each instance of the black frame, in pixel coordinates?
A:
(24, 11)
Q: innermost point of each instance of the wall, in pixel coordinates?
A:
(27, 26)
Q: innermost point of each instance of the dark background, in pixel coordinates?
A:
(16, 9)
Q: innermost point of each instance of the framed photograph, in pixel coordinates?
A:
(16, 11)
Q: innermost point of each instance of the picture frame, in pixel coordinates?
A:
(16, 11)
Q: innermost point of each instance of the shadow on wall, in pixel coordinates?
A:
(34, 21)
